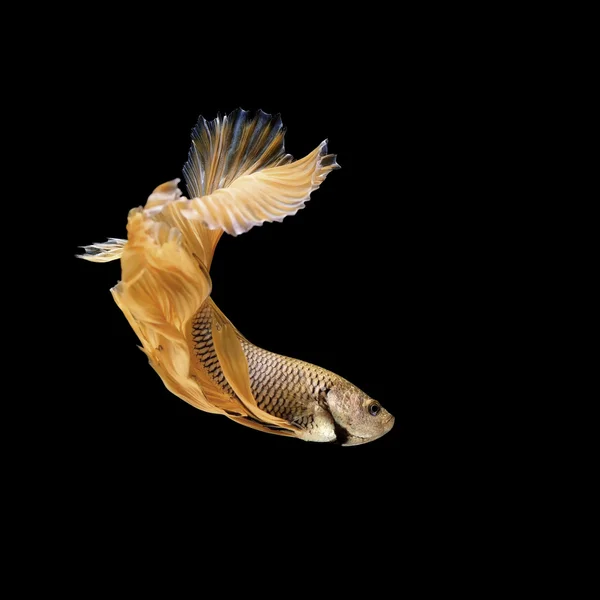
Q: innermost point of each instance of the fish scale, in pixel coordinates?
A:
(282, 386)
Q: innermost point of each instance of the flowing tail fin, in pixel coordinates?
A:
(161, 289)
(238, 175)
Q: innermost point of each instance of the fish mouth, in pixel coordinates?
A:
(388, 424)
(357, 440)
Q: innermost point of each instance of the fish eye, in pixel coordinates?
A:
(374, 408)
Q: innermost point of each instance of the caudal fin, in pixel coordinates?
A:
(238, 175)
(161, 288)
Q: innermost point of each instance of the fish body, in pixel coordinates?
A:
(238, 176)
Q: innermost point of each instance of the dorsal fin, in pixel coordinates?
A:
(231, 146)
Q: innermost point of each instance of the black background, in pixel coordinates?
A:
(365, 281)
(405, 273)
(384, 278)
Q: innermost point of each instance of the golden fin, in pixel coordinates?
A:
(166, 205)
(227, 148)
(112, 249)
(235, 368)
(248, 422)
(161, 289)
(213, 392)
(238, 175)
(264, 196)
(166, 193)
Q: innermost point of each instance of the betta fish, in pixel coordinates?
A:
(238, 175)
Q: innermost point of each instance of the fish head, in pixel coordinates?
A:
(358, 418)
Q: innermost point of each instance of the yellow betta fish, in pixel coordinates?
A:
(238, 175)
